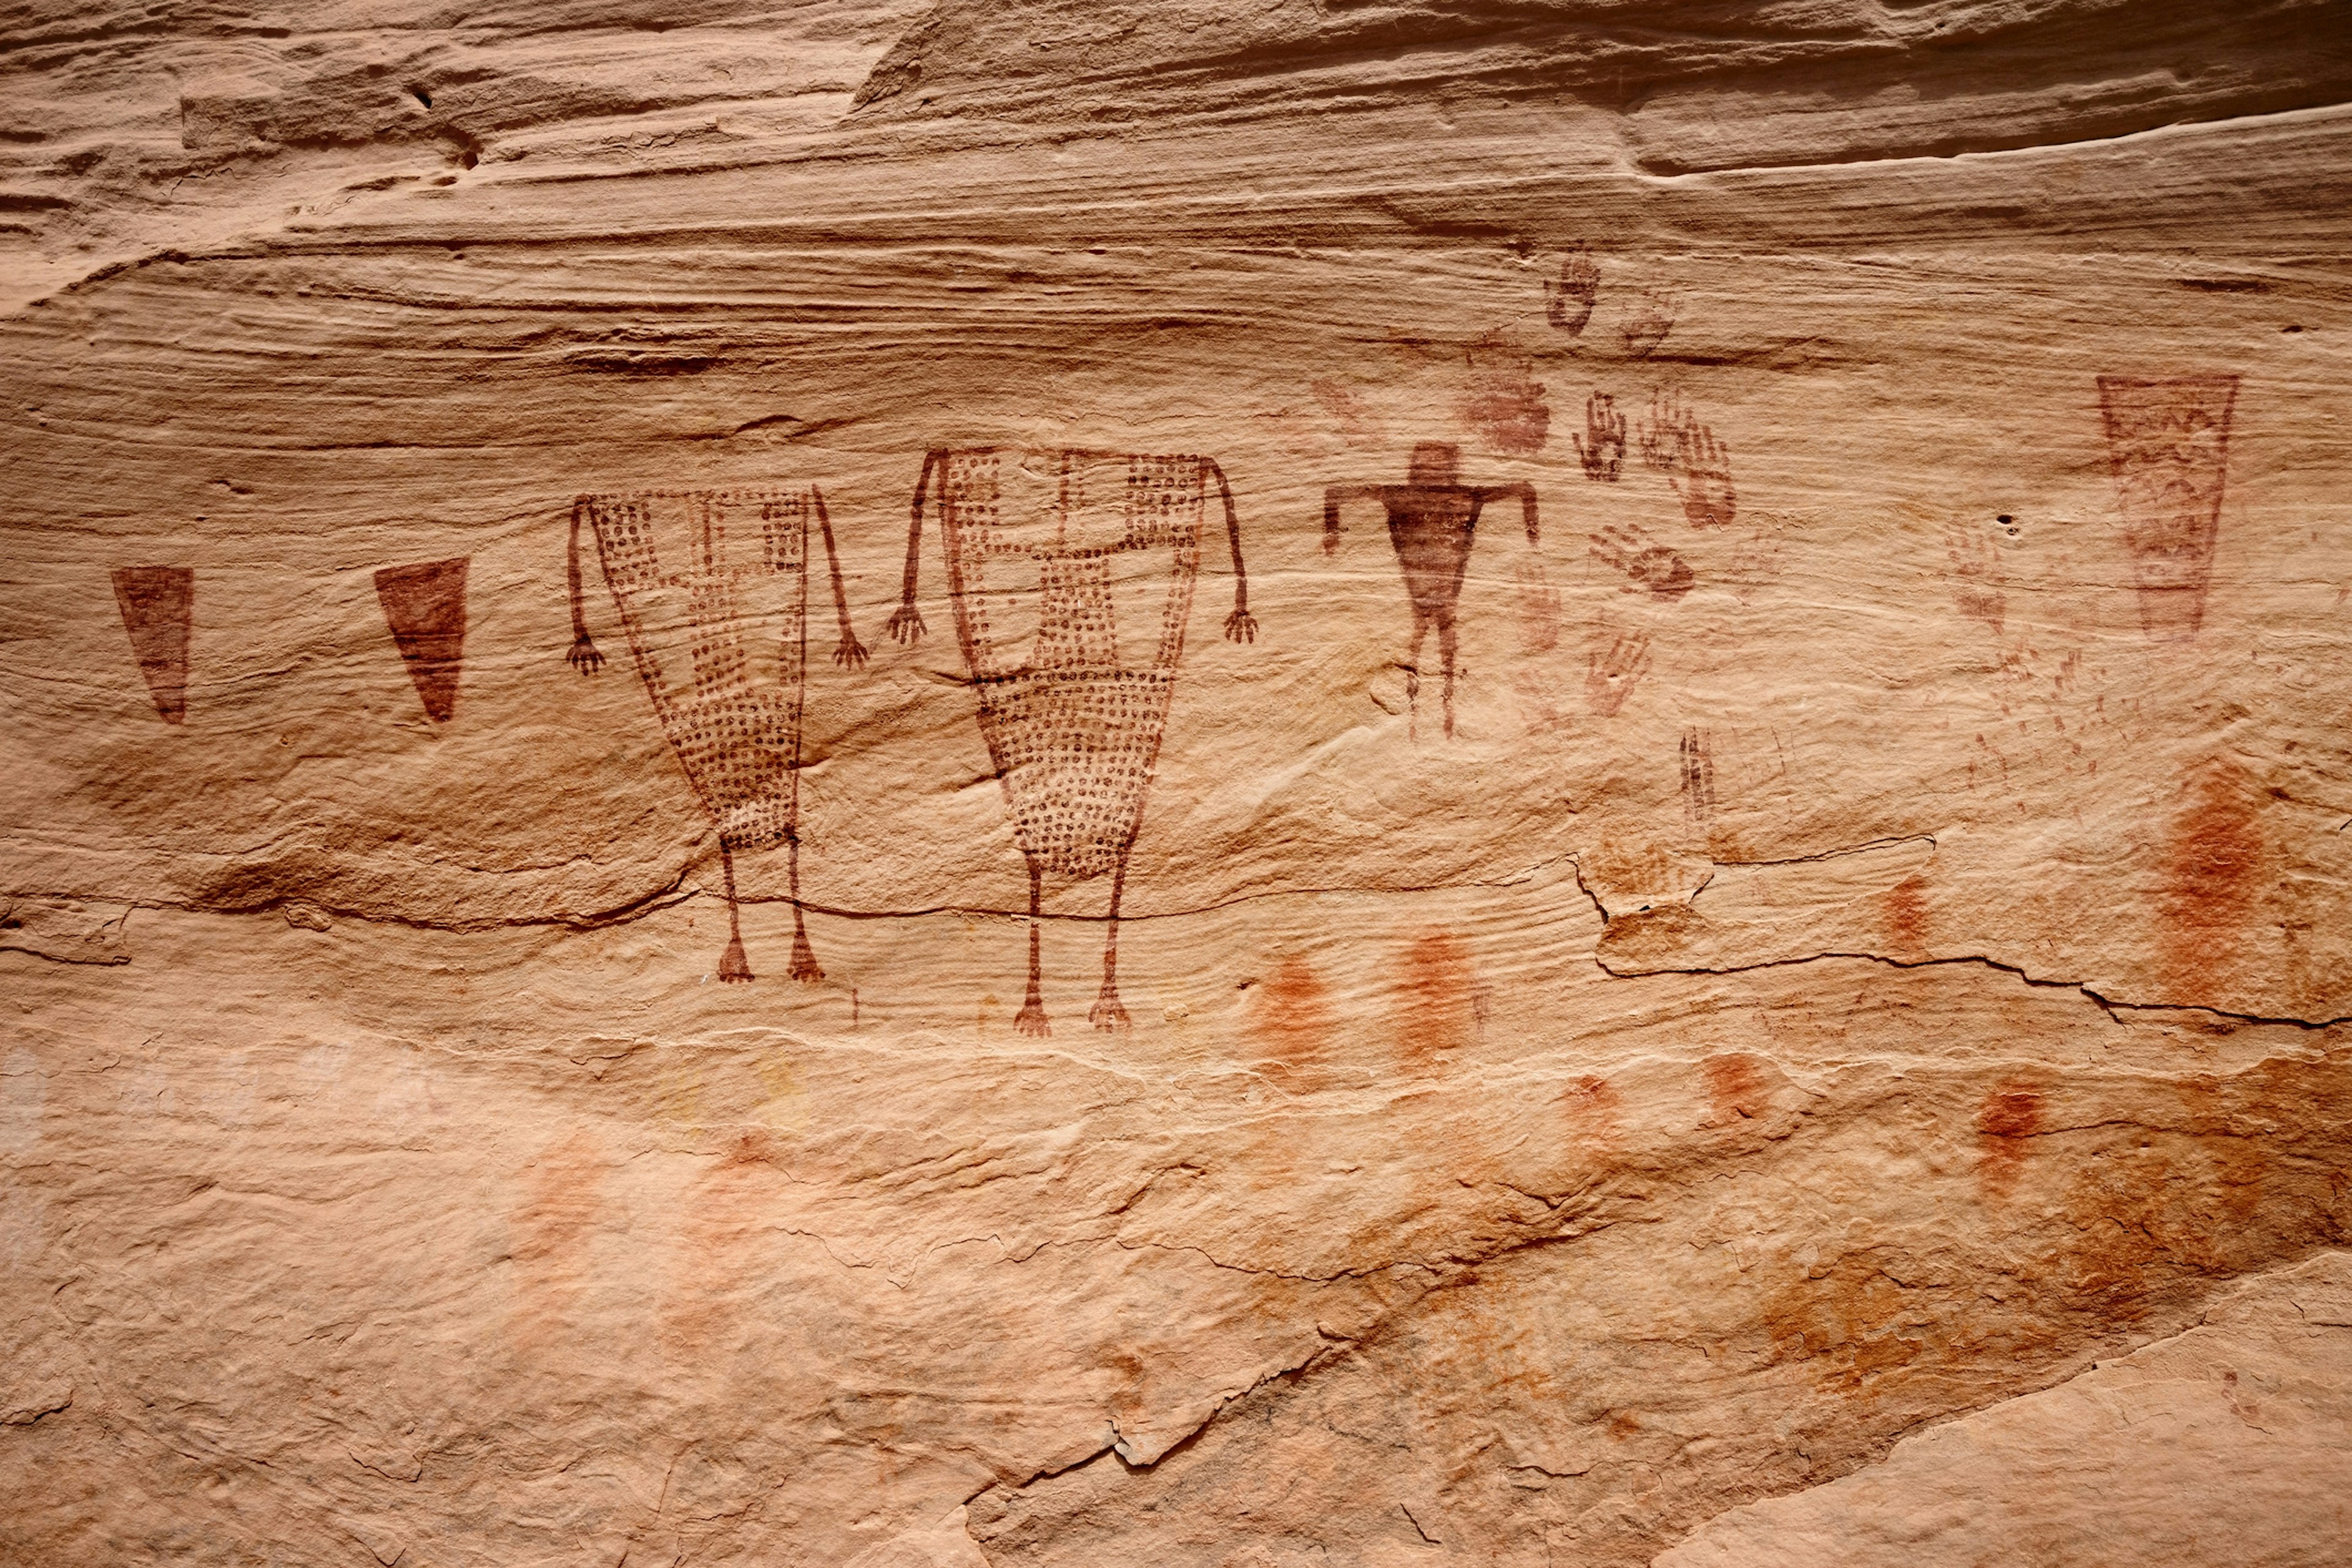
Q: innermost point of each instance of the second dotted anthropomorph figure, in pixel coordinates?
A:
(1072, 576)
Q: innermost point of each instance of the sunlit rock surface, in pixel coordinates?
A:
(1701, 650)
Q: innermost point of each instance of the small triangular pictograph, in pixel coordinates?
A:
(425, 607)
(158, 608)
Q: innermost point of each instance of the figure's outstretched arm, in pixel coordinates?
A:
(583, 656)
(1333, 498)
(905, 622)
(1241, 626)
(848, 650)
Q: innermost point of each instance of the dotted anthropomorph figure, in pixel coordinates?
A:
(1432, 517)
(2169, 443)
(713, 589)
(1044, 549)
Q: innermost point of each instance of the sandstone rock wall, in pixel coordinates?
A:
(1034, 785)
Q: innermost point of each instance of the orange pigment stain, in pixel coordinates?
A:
(1906, 915)
(1735, 1088)
(2009, 1116)
(726, 1239)
(551, 1231)
(2212, 877)
(1592, 1104)
(2236, 1151)
(1436, 999)
(1593, 1131)
(1291, 1018)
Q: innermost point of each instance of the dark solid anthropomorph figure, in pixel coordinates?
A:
(1072, 575)
(1432, 517)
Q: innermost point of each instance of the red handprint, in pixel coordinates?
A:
(1609, 678)
(1646, 564)
(1708, 500)
(1568, 302)
(1603, 454)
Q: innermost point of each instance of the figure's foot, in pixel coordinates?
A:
(1030, 1020)
(805, 969)
(732, 964)
(1108, 1014)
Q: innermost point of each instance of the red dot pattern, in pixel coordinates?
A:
(1075, 737)
(737, 741)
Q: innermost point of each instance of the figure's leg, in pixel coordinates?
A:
(805, 969)
(732, 964)
(1030, 1020)
(1445, 643)
(1413, 676)
(1108, 1014)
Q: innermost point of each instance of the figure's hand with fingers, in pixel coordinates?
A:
(1610, 678)
(1646, 564)
(905, 625)
(1601, 447)
(1241, 627)
(583, 656)
(1708, 500)
(849, 653)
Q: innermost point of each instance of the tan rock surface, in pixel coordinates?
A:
(1807, 1006)
(2225, 1444)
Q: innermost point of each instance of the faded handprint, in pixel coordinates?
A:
(1568, 302)
(1756, 559)
(1976, 574)
(1652, 319)
(1538, 609)
(1646, 564)
(1708, 500)
(1359, 424)
(1609, 678)
(1503, 402)
(1603, 454)
(1659, 435)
